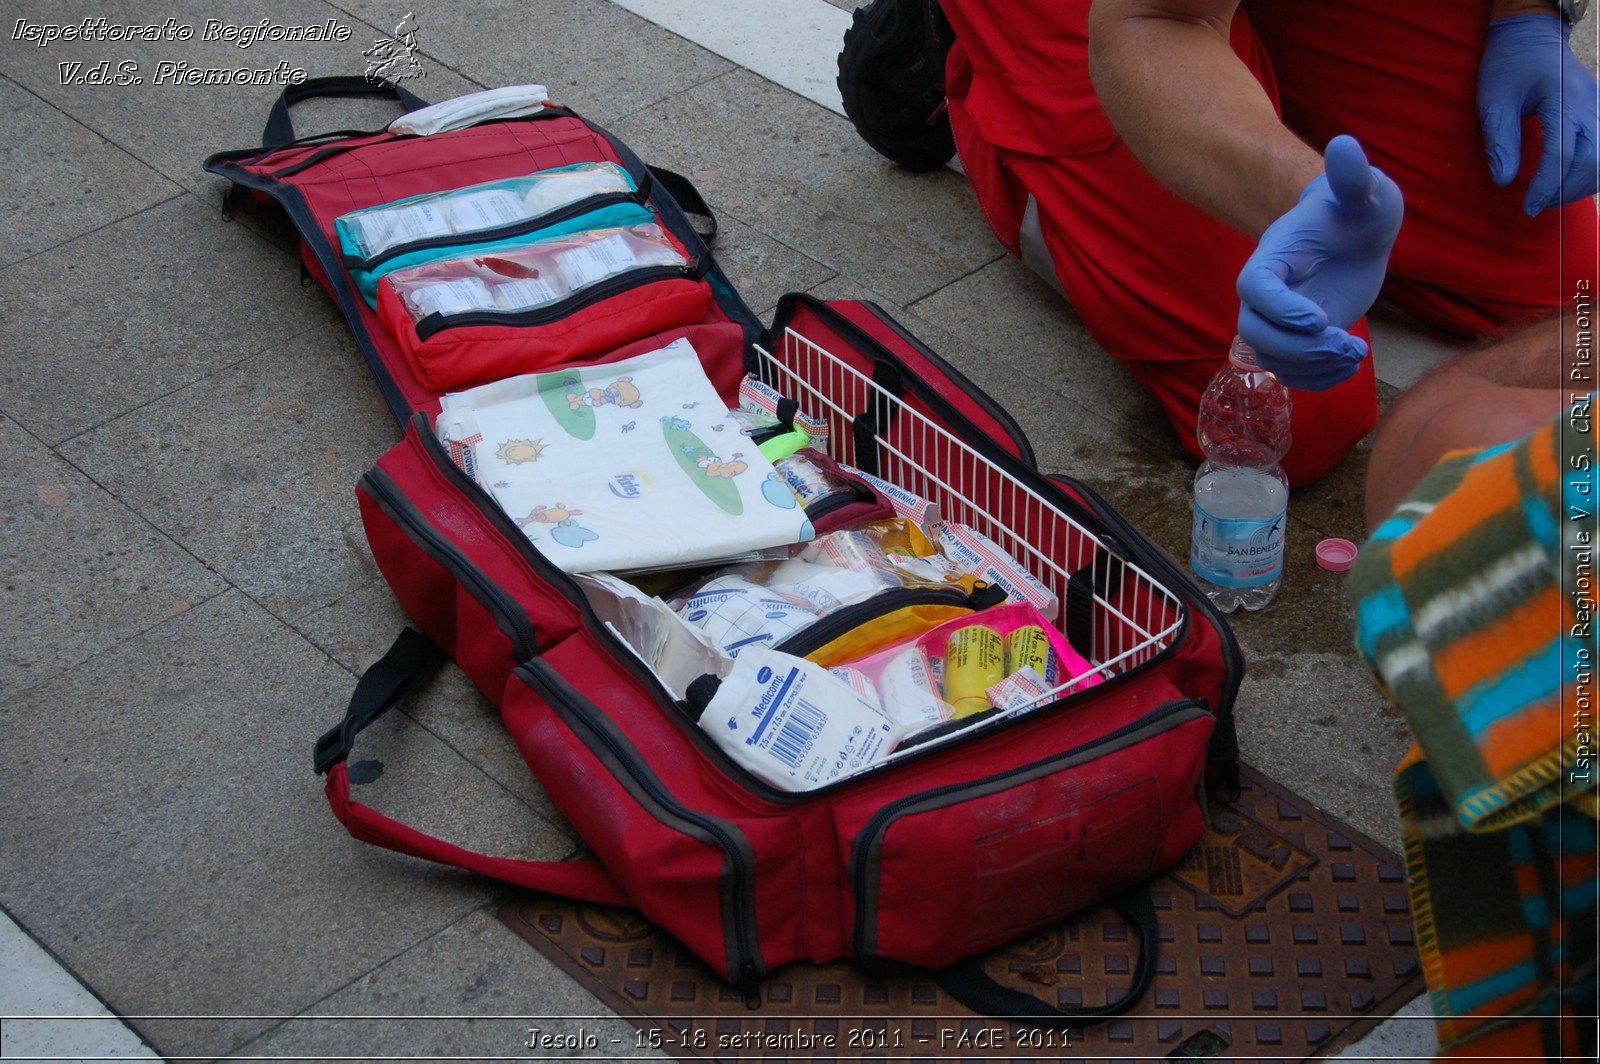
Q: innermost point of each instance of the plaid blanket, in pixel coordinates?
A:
(1473, 610)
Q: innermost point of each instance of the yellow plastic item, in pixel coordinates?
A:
(974, 661)
(905, 623)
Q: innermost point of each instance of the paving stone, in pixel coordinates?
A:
(173, 127)
(1318, 721)
(761, 268)
(609, 62)
(476, 967)
(801, 174)
(82, 571)
(63, 180)
(254, 468)
(138, 309)
(1038, 331)
(357, 629)
(185, 861)
(1066, 437)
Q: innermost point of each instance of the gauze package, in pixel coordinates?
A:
(534, 275)
(827, 587)
(909, 692)
(793, 724)
(475, 209)
(622, 466)
(894, 547)
(736, 614)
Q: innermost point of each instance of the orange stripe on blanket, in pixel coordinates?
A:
(1512, 639)
(1532, 733)
(1486, 490)
(1542, 457)
(1470, 962)
(1577, 868)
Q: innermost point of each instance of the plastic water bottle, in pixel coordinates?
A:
(1241, 497)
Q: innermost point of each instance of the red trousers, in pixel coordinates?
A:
(1152, 276)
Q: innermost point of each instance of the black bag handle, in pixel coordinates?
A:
(403, 668)
(688, 197)
(280, 130)
(969, 984)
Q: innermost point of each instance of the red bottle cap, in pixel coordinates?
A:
(1336, 555)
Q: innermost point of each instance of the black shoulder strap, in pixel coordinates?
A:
(280, 130)
(688, 198)
(969, 984)
(405, 666)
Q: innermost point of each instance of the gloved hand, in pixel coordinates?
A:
(1528, 68)
(1318, 268)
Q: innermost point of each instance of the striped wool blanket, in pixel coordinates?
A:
(1475, 607)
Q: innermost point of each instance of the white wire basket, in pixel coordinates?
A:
(1131, 618)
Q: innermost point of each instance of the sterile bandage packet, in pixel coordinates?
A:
(1021, 690)
(907, 504)
(972, 552)
(794, 724)
(761, 398)
(910, 695)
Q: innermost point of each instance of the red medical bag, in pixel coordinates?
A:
(928, 860)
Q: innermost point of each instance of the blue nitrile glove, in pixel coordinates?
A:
(1318, 268)
(1528, 68)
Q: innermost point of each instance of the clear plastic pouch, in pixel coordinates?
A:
(535, 276)
(477, 209)
(999, 661)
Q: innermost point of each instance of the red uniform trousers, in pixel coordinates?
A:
(1152, 277)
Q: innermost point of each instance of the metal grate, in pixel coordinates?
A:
(1131, 616)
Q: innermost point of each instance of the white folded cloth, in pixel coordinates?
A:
(512, 101)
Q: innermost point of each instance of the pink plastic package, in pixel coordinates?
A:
(910, 678)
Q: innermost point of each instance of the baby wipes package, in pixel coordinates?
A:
(793, 724)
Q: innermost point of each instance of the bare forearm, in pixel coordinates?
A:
(1192, 112)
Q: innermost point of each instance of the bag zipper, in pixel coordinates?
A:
(824, 630)
(435, 323)
(871, 836)
(515, 623)
(512, 619)
(748, 965)
(503, 232)
(838, 500)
